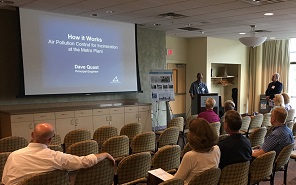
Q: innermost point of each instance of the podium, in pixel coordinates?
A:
(198, 104)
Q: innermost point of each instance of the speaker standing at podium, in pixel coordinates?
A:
(197, 87)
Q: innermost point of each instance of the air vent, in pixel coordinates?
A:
(262, 31)
(190, 29)
(262, 2)
(172, 15)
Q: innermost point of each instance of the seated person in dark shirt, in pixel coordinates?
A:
(209, 114)
(235, 148)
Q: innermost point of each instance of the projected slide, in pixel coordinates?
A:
(70, 54)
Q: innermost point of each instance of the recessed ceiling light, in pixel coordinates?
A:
(155, 24)
(272, 38)
(7, 2)
(189, 24)
(268, 13)
(109, 11)
(242, 33)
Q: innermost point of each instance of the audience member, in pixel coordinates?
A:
(38, 158)
(278, 101)
(280, 136)
(235, 148)
(205, 154)
(209, 114)
(228, 105)
(287, 101)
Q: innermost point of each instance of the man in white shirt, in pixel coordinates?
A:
(37, 158)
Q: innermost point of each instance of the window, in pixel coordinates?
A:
(292, 72)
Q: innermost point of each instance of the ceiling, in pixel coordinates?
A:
(212, 18)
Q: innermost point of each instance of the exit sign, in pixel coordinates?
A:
(169, 52)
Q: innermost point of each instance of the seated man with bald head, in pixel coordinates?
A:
(38, 158)
(280, 136)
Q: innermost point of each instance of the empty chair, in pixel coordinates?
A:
(56, 177)
(3, 159)
(83, 148)
(133, 169)
(266, 120)
(188, 120)
(101, 173)
(173, 181)
(117, 146)
(56, 147)
(56, 140)
(257, 136)
(167, 158)
(282, 161)
(12, 143)
(291, 115)
(143, 142)
(131, 130)
(261, 168)
(168, 137)
(75, 136)
(103, 133)
(216, 126)
(208, 177)
(235, 174)
(245, 124)
(177, 122)
(256, 122)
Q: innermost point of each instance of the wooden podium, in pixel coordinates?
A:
(198, 104)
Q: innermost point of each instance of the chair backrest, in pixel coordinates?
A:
(143, 142)
(216, 126)
(177, 122)
(186, 149)
(3, 159)
(75, 136)
(256, 121)
(168, 137)
(223, 136)
(261, 167)
(56, 177)
(12, 143)
(56, 140)
(266, 120)
(173, 181)
(189, 119)
(167, 158)
(208, 177)
(283, 158)
(245, 123)
(131, 130)
(257, 136)
(56, 147)
(291, 114)
(83, 148)
(117, 146)
(103, 133)
(290, 124)
(101, 173)
(235, 174)
(134, 168)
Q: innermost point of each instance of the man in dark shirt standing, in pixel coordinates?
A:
(235, 148)
(198, 87)
(274, 87)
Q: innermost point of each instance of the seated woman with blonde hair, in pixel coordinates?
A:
(278, 101)
(287, 101)
(205, 154)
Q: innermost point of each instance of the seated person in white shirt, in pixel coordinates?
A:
(37, 158)
(205, 154)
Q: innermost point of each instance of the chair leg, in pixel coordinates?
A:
(285, 172)
(272, 178)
